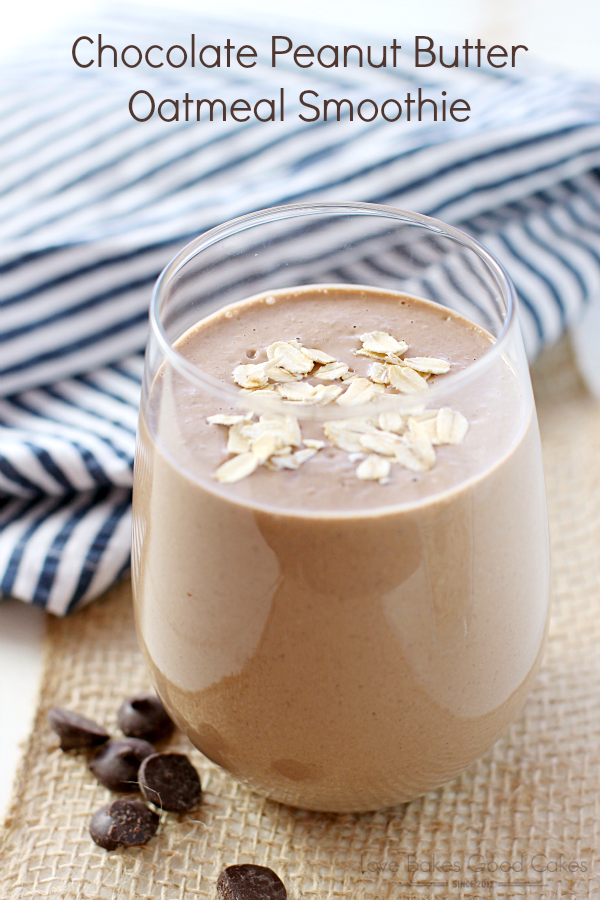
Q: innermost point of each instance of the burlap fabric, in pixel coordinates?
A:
(523, 822)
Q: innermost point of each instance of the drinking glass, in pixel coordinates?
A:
(351, 653)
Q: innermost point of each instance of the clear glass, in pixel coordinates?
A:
(353, 650)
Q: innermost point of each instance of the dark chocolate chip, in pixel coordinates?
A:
(169, 781)
(123, 823)
(116, 764)
(76, 731)
(145, 717)
(248, 882)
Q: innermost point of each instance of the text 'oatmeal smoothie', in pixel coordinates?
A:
(338, 596)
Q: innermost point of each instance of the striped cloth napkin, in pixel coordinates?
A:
(94, 205)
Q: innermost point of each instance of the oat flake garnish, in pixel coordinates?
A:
(293, 360)
(269, 390)
(302, 456)
(406, 380)
(284, 427)
(327, 394)
(345, 433)
(277, 463)
(383, 442)
(379, 373)
(276, 373)
(294, 461)
(420, 447)
(356, 457)
(265, 446)
(378, 357)
(373, 468)
(301, 391)
(391, 421)
(236, 468)
(427, 365)
(451, 426)
(361, 390)
(318, 356)
(406, 456)
(382, 342)
(222, 419)
(236, 441)
(428, 426)
(360, 424)
(343, 439)
(273, 440)
(251, 376)
(332, 371)
(394, 360)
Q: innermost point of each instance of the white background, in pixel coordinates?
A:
(562, 33)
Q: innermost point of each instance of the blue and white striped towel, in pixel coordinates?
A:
(94, 204)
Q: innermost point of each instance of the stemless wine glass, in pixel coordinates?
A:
(359, 648)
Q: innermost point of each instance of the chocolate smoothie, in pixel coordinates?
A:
(342, 628)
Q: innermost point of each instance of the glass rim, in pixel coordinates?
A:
(231, 392)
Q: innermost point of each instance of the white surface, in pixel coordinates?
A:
(21, 632)
(563, 33)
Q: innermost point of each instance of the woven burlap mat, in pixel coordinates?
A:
(525, 817)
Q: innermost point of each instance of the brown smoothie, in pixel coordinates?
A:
(340, 644)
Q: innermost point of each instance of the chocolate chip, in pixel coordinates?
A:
(169, 781)
(248, 882)
(123, 823)
(145, 717)
(116, 764)
(76, 731)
